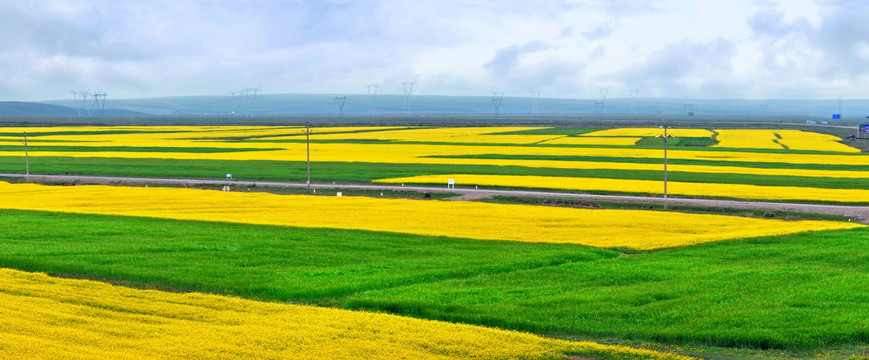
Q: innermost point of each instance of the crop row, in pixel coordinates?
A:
(485, 221)
(45, 317)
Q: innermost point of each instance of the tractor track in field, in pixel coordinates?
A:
(858, 213)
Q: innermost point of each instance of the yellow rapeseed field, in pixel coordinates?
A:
(408, 153)
(647, 132)
(394, 150)
(484, 221)
(473, 135)
(774, 139)
(803, 140)
(739, 191)
(43, 317)
(588, 140)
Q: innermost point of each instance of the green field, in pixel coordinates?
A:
(358, 172)
(800, 295)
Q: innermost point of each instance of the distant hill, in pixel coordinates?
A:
(302, 104)
(16, 108)
(34, 109)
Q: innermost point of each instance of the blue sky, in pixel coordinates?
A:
(746, 49)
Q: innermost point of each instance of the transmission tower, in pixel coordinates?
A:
(372, 94)
(340, 100)
(75, 99)
(236, 99)
(497, 99)
(634, 94)
(81, 99)
(598, 106)
(689, 107)
(535, 98)
(603, 93)
(407, 87)
(841, 99)
(99, 103)
(250, 96)
(764, 109)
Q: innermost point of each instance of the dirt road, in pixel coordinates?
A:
(858, 213)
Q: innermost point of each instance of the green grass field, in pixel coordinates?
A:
(357, 172)
(797, 295)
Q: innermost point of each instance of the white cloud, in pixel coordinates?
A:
(699, 48)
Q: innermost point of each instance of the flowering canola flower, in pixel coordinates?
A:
(43, 317)
(647, 132)
(741, 191)
(460, 219)
(491, 147)
(780, 139)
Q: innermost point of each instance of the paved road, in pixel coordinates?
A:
(858, 213)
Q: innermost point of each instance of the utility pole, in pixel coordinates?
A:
(666, 138)
(26, 158)
(308, 150)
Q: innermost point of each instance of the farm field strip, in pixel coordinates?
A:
(475, 135)
(649, 132)
(266, 153)
(613, 165)
(410, 152)
(730, 293)
(422, 153)
(781, 138)
(585, 140)
(739, 191)
(511, 151)
(45, 317)
(803, 291)
(483, 221)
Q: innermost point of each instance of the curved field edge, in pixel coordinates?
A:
(608, 228)
(796, 292)
(52, 318)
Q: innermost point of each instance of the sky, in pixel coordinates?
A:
(703, 49)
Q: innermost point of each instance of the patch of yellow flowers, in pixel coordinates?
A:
(460, 219)
(459, 146)
(648, 132)
(739, 191)
(780, 139)
(42, 317)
